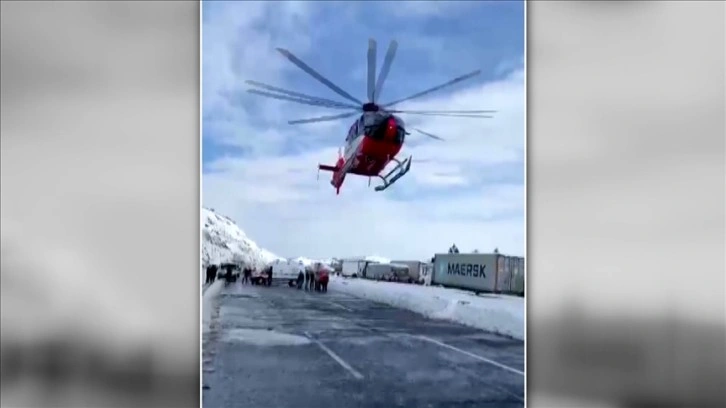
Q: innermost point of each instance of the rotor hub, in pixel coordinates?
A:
(370, 107)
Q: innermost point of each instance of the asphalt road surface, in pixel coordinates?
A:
(278, 347)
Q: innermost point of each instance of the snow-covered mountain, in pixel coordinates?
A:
(224, 241)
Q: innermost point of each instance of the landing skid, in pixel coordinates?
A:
(396, 173)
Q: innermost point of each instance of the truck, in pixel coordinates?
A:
(385, 271)
(415, 269)
(286, 271)
(352, 267)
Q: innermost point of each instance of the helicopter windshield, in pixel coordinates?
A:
(371, 121)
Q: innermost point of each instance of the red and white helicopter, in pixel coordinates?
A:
(376, 137)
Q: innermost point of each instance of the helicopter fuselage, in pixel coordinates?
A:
(373, 141)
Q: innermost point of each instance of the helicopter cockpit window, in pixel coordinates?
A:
(370, 122)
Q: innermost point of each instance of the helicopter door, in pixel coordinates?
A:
(352, 132)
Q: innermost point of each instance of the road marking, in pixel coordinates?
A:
(472, 355)
(336, 357)
(330, 302)
(339, 306)
(499, 388)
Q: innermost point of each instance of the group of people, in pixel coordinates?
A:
(313, 280)
(212, 273)
(251, 278)
(308, 279)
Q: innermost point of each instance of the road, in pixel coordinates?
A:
(282, 347)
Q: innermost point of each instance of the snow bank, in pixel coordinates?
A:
(495, 313)
(208, 296)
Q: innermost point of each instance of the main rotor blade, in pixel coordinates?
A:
(440, 111)
(372, 51)
(323, 118)
(451, 115)
(436, 88)
(428, 134)
(387, 61)
(298, 100)
(305, 67)
(299, 95)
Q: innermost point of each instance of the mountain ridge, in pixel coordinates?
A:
(224, 241)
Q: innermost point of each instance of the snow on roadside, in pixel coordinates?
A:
(208, 296)
(494, 313)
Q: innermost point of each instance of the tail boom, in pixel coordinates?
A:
(338, 173)
(325, 167)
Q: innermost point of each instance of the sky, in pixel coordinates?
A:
(262, 172)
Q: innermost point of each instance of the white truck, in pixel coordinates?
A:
(287, 271)
(351, 268)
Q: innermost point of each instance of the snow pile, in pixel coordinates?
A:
(378, 259)
(211, 292)
(223, 241)
(494, 313)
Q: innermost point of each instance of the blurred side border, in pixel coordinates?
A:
(100, 204)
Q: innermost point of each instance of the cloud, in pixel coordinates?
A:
(261, 171)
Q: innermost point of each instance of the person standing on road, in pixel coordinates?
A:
(209, 275)
(227, 275)
(323, 281)
(269, 276)
(300, 279)
(246, 274)
(313, 281)
(214, 272)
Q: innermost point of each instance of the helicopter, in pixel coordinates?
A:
(376, 137)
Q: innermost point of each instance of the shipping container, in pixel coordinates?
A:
(387, 271)
(518, 277)
(476, 272)
(504, 274)
(414, 268)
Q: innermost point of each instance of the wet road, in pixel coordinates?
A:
(280, 347)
